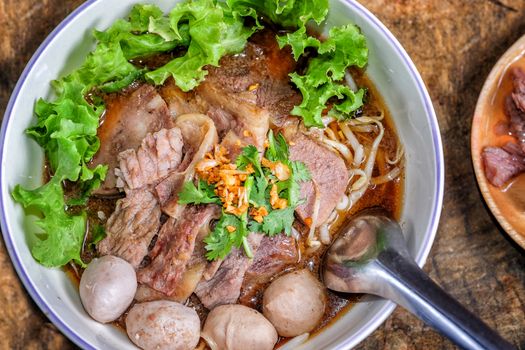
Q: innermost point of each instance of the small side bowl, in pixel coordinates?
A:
(509, 214)
(391, 71)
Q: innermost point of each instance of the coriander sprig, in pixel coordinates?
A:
(257, 194)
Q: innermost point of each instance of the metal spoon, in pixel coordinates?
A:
(370, 256)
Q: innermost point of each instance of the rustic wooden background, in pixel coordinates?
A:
(454, 44)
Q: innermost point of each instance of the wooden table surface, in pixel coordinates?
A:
(454, 44)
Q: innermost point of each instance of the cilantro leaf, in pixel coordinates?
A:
(249, 155)
(300, 171)
(220, 241)
(277, 221)
(259, 192)
(202, 194)
(277, 148)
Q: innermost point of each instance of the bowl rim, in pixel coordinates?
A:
(494, 77)
(389, 306)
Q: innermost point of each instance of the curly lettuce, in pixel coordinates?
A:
(205, 31)
(323, 80)
(215, 30)
(66, 129)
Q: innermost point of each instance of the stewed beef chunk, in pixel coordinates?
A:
(501, 164)
(159, 154)
(225, 286)
(174, 248)
(127, 121)
(132, 226)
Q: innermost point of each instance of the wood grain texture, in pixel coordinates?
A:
(454, 44)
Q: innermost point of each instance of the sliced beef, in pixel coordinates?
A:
(259, 74)
(200, 136)
(327, 169)
(174, 248)
(180, 102)
(249, 122)
(211, 269)
(182, 289)
(127, 121)
(131, 227)
(225, 286)
(187, 283)
(501, 165)
(274, 255)
(159, 154)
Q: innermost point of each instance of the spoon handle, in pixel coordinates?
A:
(410, 287)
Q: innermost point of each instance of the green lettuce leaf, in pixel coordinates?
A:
(287, 13)
(62, 234)
(315, 100)
(215, 30)
(144, 34)
(345, 47)
(299, 41)
(141, 15)
(323, 81)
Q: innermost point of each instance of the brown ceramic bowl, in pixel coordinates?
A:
(506, 203)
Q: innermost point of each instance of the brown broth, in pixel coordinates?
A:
(388, 196)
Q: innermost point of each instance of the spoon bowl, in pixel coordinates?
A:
(370, 256)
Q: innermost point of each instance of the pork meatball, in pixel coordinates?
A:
(107, 288)
(294, 303)
(238, 327)
(163, 325)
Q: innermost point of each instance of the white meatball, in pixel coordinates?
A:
(294, 303)
(162, 325)
(107, 288)
(238, 327)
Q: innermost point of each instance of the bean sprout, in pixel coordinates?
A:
(391, 175)
(295, 234)
(330, 133)
(343, 203)
(363, 128)
(332, 217)
(369, 167)
(359, 183)
(201, 345)
(354, 143)
(339, 147)
(209, 340)
(327, 120)
(317, 205)
(350, 82)
(324, 234)
(400, 152)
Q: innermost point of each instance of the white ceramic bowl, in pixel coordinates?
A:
(390, 69)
